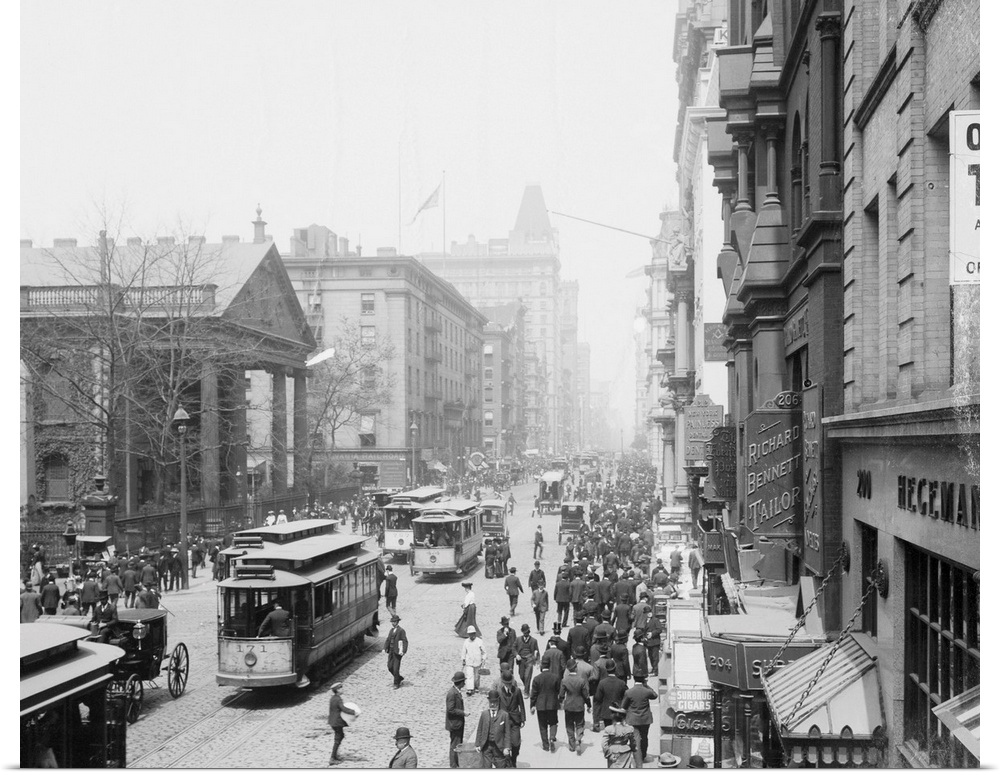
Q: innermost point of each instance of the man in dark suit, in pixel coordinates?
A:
(553, 657)
(506, 642)
(578, 638)
(527, 655)
(512, 586)
(405, 757)
(105, 617)
(537, 577)
(610, 692)
(561, 595)
(90, 594)
(391, 593)
(619, 652)
(454, 716)
(622, 617)
(575, 699)
(576, 595)
(493, 733)
(638, 713)
(277, 623)
(604, 593)
(561, 644)
(395, 646)
(544, 697)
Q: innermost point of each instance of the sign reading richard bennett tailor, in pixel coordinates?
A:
(701, 417)
(773, 459)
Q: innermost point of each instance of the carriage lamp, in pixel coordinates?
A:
(139, 631)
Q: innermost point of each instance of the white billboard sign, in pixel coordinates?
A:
(964, 242)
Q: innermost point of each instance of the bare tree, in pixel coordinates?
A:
(115, 340)
(350, 385)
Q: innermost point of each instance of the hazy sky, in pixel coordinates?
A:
(185, 115)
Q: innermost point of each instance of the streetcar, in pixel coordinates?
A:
(447, 538)
(326, 581)
(68, 717)
(399, 513)
(550, 491)
(494, 518)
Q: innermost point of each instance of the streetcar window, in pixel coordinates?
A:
(323, 600)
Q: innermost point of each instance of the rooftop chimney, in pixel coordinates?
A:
(134, 242)
(344, 247)
(383, 252)
(166, 241)
(192, 240)
(230, 239)
(26, 243)
(258, 227)
(64, 242)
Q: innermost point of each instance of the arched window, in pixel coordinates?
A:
(57, 478)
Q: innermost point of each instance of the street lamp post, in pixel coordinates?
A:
(181, 419)
(413, 453)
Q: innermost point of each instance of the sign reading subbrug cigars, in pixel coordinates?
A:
(772, 456)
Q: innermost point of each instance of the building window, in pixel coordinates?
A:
(368, 336)
(365, 272)
(488, 395)
(366, 430)
(367, 303)
(57, 398)
(368, 377)
(56, 478)
(488, 418)
(942, 656)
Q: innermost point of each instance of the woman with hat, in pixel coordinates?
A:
(468, 617)
(620, 741)
(405, 757)
(336, 720)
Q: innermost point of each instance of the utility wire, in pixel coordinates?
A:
(616, 228)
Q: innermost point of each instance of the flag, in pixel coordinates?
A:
(432, 201)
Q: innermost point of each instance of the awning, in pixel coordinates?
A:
(841, 720)
(437, 465)
(961, 715)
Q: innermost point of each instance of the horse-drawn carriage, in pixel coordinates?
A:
(572, 516)
(142, 635)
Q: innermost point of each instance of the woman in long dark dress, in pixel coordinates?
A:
(468, 617)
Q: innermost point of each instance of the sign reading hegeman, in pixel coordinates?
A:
(701, 417)
(964, 242)
(772, 457)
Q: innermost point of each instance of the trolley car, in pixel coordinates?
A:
(399, 513)
(494, 518)
(325, 580)
(68, 718)
(447, 538)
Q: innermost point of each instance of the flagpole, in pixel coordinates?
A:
(444, 214)
(399, 193)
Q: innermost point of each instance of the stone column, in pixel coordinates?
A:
(300, 432)
(831, 102)
(683, 334)
(209, 422)
(743, 140)
(279, 432)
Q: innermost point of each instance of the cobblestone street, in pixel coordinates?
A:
(288, 728)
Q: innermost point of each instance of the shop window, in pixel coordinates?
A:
(941, 656)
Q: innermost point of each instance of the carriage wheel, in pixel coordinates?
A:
(177, 671)
(133, 698)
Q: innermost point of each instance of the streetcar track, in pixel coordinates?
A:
(213, 735)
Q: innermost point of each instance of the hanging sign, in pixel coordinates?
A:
(772, 458)
(964, 196)
(715, 337)
(812, 479)
(701, 417)
(720, 456)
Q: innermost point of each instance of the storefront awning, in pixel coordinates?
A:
(437, 465)
(841, 719)
(961, 715)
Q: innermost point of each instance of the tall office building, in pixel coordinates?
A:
(523, 267)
